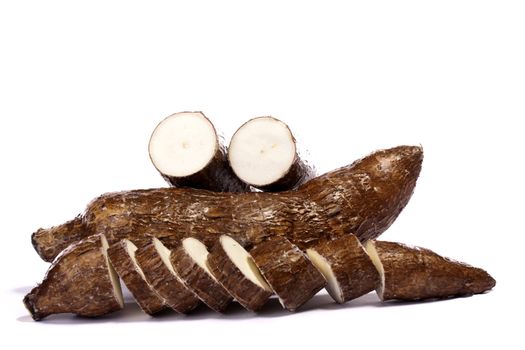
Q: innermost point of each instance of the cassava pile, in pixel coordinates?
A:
(177, 247)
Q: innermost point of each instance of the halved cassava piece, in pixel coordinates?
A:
(234, 268)
(190, 262)
(363, 198)
(122, 258)
(81, 281)
(263, 153)
(413, 273)
(186, 150)
(154, 261)
(293, 278)
(346, 267)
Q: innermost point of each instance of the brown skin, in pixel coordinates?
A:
(288, 271)
(77, 282)
(163, 282)
(148, 300)
(216, 176)
(298, 173)
(413, 273)
(363, 198)
(251, 296)
(199, 281)
(354, 272)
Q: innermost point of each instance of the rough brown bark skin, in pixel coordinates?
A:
(298, 173)
(217, 175)
(122, 262)
(251, 296)
(45, 241)
(288, 271)
(414, 273)
(363, 198)
(77, 282)
(209, 291)
(353, 269)
(163, 282)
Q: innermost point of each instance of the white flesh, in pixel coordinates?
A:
(117, 290)
(183, 144)
(198, 252)
(262, 151)
(324, 267)
(243, 261)
(372, 253)
(164, 254)
(131, 249)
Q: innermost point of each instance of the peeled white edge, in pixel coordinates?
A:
(325, 269)
(243, 261)
(372, 253)
(131, 249)
(198, 252)
(115, 282)
(164, 254)
(183, 144)
(262, 151)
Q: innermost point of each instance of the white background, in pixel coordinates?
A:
(83, 85)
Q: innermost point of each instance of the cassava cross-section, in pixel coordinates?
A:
(187, 152)
(363, 198)
(263, 153)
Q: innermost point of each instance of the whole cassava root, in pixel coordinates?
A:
(363, 198)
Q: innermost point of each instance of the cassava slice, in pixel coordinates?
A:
(363, 198)
(153, 259)
(263, 153)
(81, 281)
(293, 278)
(234, 268)
(186, 150)
(189, 260)
(414, 273)
(122, 258)
(346, 267)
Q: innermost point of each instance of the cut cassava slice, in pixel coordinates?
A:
(293, 278)
(122, 258)
(81, 281)
(263, 153)
(363, 198)
(234, 268)
(189, 260)
(153, 259)
(346, 267)
(186, 150)
(414, 273)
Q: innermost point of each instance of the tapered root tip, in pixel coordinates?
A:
(29, 303)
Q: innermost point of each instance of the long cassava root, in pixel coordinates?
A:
(363, 198)
(280, 266)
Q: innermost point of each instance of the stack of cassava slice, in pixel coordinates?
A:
(223, 233)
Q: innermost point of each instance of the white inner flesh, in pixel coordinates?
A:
(182, 144)
(164, 254)
(372, 253)
(324, 267)
(115, 282)
(262, 151)
(243, 261)
(198, 252)
(131, 249)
